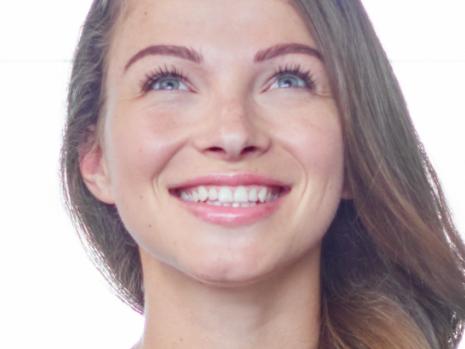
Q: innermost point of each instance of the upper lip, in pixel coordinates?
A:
(231, 179)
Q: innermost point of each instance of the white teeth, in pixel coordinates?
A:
(262, 194)
(225, 195)
(185, 196)
(203, 193)
(212, 194)
(241, 196)
(253, 195)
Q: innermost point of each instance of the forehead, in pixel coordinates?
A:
(223, 24)
(195, 7)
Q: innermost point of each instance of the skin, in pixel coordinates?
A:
(206, 285)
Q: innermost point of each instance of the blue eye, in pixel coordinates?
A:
(168, 82)
(289, 80)
(293, 77)
(164, 79)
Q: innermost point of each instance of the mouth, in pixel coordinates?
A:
(231, 200)
(230, 196)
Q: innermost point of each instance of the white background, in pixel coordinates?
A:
(50, 294)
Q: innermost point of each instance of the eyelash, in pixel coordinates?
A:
(166, 71)
(161, 72)
(298, 71)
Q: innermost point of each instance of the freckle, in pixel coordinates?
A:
(150, 225)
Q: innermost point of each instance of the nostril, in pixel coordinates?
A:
(216, 149)
(248, 149)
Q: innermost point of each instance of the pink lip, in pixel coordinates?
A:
(231, 216)
(230, 180)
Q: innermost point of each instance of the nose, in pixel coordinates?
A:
(233, 132)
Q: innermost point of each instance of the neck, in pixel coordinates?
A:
(281, 311)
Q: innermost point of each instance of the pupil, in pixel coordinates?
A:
(169, 84)
(287, 81)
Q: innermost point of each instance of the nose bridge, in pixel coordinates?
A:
(233, 129)
(233, 114)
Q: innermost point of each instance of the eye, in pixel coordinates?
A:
(168, 82)
(289, 80)
(293, 77)
(165, 79)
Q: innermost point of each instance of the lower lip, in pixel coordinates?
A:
(232, 216)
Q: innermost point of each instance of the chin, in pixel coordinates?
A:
(236, 271)
(228, 282)
(219, 272)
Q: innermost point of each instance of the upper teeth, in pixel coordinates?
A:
(224, 194)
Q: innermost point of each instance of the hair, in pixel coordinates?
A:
(392, 271)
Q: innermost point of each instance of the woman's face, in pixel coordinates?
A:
(220, 99)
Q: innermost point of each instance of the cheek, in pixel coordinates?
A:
(319, 150)
(322, 156)
(141, 146)
(309, 129)
(316, 143)
(317, 147)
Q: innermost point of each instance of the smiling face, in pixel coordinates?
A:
(209, 87)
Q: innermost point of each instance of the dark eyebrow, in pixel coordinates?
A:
(282, 49)
(169, 50)
(194, 56)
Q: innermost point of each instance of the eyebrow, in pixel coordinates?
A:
(168, 50)
(196, 57)
(283, 49)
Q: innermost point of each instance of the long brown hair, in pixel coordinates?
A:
(393, 263)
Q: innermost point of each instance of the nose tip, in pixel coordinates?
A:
(234, 136)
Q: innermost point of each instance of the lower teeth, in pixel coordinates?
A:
(230, 204)
(234, 204)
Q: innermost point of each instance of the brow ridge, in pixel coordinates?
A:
(196, 57)
(169, 50)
